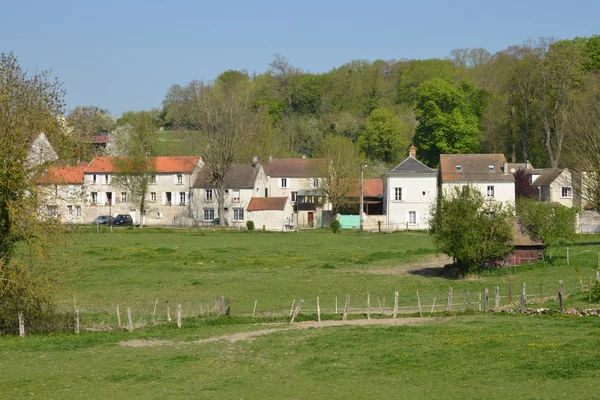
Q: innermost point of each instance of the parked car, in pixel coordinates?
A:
(123, 220)
(104, 220)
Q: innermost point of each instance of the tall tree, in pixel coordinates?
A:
(83, 123)
(448, 119)
(385, 137)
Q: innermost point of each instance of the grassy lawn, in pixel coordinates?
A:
(491, 356)
(174, 143)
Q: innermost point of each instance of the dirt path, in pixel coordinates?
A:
(248, 336)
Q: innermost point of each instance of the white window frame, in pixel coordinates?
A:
(210, 212)
(181, 198)
(123, 197)
(208, 196)
(490, 192)
(569, 191)
(153, 180)
(283, 183)
(70, 210)
(94, 198)
(398, 194)
(106, 179)
(235, 197)
(237, 213)
(179, 178)
(52, 210)
(294, 197)
(78, 211)
(94, 179)
(412, 217)
(153, 197)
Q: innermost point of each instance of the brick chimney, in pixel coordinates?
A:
(412, 152)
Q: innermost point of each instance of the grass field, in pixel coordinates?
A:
(470, 355)
(174, 143)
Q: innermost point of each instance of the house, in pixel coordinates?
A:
(489, 173)
(552, 184)
(242, 183)
(40, 151)
(167, 200)
(299, 180)
(62, 194)
(411, 189)
(271, 213)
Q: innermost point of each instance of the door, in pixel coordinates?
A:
(311, 218)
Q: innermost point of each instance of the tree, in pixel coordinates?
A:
(84, 122)
(339, 172)
(225, 117)
(448, 119)
(385, 137)
(522, 185)
(551, 223)
(134, 164)
(28, 105)
(468, 228)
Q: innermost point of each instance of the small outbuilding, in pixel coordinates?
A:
(526, 250)
(271, 213)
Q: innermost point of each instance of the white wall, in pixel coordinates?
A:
(563, 180)
(419, 192)
(272, 220)
(503, 191)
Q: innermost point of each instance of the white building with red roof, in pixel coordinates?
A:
(62, 193)
(271, 213)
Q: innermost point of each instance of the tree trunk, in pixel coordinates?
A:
(221, 203)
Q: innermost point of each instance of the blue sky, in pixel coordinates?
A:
(123, 55)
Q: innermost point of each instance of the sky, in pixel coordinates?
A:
(124, 55)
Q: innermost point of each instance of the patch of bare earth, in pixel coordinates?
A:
(430, 267)
(248, 336)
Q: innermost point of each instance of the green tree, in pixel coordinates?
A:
(448, 119)
(470, 229)
(385, 137)
(551, 223)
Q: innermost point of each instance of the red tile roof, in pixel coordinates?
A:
(184, 164)
(294, 167)
(63, 175)
(371, 188)
(267, 203)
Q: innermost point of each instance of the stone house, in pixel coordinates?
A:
(62, 194)
(167, 200)
(243, 182)
(40, 151)
(489, 173)
(271, 213)
(553, 185)
(411, 191)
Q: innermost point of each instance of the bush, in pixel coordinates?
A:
(551, 223)
(250, 225)
(596, 292)
(335, 226)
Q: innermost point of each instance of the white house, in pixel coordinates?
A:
(271, 213)
(62, 194)
(552, 184)
(411, 190)
(167, 200)
(489, 173)
(242, 183)
(40, 151)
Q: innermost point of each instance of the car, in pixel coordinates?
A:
(123, 220)
(103, 220)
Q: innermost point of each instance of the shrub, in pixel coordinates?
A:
(250, 225)
(335, 226)
(596, 292)
(551, 223)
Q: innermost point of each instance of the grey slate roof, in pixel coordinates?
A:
(239, 176)
(474, 168)
(546, 175)
(412, 166)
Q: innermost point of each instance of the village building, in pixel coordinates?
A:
(271, 213)
(62, 194)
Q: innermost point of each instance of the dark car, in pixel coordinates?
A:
(123, 220)
(103, 220)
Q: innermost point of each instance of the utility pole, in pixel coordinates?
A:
(362, 164)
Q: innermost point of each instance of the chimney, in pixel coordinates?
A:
(505, 167)
(412, 152)
(254, 161)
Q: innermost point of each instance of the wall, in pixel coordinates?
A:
(503, 191)
(62, 196)
(272, 220)
(413, 199)
(564, 179)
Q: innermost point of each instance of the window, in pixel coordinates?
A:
(78, 211)
(52, 211)
(94, 197)
(179, 179)
(209, 214)
(459, 167)
(398, 194)
(566, 192)
(209, 196)
(94, 179)
(238, 214)
(108, 197)
(294, 196)
(182, 198)
(283, 183)
(490, 192)
(70, 211)
(153, 179)
(226, 192)
(123, 197)
(491, 167)
(412, 217)
(236, 196)
(314, 182)
(106, 179)
(153, 197)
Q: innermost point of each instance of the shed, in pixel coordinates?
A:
(526, 250)
(272, 213)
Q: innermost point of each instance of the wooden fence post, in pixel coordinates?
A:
(486, 300)
(561, 287)
(395, 305)
(154, 312)
(129, 320)
(468, 300)
(523, 298)
(380, 306)
(77, 321)
(254, 309)
(598, 276)
(336, 308)
(368, 305)
(479, 303)
(292, 308)
(179, 315)
(21, 324)
(560, 301)
(510, 293)
(297, 310)
(419, 302)
(168, 311)
(590, 291)
(118, 317)
(318, 310)
(497, 297)
(449, 305)
(346, 307)
(433, 305)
